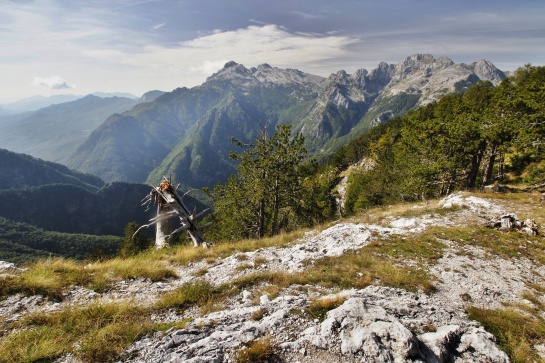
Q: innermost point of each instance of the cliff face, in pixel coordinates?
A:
(307, 321)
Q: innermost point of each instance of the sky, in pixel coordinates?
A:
(50, 47)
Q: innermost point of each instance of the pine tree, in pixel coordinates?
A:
(132, 246)
(265, 194)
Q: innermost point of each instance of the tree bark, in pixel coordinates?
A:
(476, 159)
(490, 166)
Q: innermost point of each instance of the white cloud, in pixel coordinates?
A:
(250, 46)
(209, 67)
(158, 26)
(53, 82)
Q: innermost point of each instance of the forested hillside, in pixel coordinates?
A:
(47, 209)
(22, 242)
(464, 141)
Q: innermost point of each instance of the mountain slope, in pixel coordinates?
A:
(154, 139)
(71, 209)
(20, 171)
(233, 102)
(54, 132)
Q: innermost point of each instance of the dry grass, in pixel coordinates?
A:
(258, 351)
(318, 308)
(511, 244)
(378, 215)
(185, 254)
(517, 333)
(196, 293)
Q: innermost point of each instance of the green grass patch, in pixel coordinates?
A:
(52, 277)
(517, 333)
(501, 243)
(194, 293)
(358, 269)
(97, 333)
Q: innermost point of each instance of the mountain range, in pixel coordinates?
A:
(54, 132)
(186, 133)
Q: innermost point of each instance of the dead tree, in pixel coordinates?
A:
(170, 206)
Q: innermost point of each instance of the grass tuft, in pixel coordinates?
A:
(198, 292)
(52, 277)
(318, 308)
(258, 351)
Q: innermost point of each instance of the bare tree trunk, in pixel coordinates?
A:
(261, 218)
(163, 227)
(169, 206)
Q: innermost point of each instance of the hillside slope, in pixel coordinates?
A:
(414, 283)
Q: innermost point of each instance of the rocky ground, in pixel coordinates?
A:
(375, 324)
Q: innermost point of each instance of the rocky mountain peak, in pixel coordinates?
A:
(414, 63)
(235, 73)
(487, 71)
(273, 76)
(361, 73)
(230, 64)
(340, 77)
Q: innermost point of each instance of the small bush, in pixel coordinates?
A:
(258, 314)
(133, 244)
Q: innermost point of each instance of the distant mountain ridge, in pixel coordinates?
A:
(36, 102)
(19, 171)
(54, 132)
(185, 133)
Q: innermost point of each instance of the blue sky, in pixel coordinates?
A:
(82, 46)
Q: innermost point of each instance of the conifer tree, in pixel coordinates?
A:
(266, 190)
